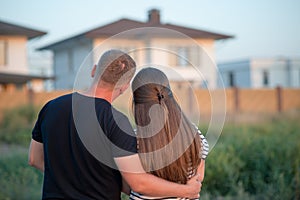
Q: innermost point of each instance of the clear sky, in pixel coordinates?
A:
(262, 28)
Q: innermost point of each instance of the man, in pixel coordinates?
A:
(79, 141)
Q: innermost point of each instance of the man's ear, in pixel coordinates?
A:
(93, 71)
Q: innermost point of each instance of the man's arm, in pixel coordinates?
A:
(125, 187)
(148, 184)
(36, 155)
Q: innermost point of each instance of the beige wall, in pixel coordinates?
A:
(207, 61)
(16, 54)
(102, 44)
(160, 55)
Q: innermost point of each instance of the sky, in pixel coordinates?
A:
(261, 28)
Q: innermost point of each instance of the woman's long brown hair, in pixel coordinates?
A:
(168, 143)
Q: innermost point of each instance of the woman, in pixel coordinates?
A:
(169, 145)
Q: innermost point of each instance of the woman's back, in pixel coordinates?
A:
(168, 143)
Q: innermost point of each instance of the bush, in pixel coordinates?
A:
(18, 179)
(261, 160)
(17, 124)
(249, 161)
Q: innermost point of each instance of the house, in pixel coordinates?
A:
(261, 73)
(14, 71)
(149, 43)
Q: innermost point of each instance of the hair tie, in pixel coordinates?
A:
(160, 96)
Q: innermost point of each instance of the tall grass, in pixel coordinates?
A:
(257, 161)
(16, 125)
(18, 180)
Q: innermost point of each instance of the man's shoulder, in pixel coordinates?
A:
(63, 97)
(60, 100)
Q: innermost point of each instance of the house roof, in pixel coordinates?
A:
(128, 24)
(19, 78)
(12, 29)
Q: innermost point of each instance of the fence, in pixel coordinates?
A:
(242, 101)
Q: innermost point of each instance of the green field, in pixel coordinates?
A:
(250, 161)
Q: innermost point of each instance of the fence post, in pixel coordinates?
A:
(236, 99)
(279, 98)
(30, 96)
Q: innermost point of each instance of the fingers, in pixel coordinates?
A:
(196, 184)
(196, 196)
(195, 178)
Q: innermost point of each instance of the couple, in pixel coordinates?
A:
(163, 159)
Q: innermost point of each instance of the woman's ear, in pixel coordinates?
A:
(93, 71)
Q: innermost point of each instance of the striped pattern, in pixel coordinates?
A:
(204, 146)
(191, 173)
(137, 196)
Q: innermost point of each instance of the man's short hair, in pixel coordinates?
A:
(115, 66)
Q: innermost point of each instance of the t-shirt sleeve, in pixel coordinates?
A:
(36, 132)
(122, 137)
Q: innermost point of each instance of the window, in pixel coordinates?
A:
(3, 52)
(184, 56)
(265, 78)
(231, 79)
(70, 61)
(204, 84)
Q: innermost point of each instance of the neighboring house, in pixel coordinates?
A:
(261, 73)
(14, 71)
(70, 53)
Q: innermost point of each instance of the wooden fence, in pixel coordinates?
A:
(241, 101)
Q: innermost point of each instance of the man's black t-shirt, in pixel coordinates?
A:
(81, 136)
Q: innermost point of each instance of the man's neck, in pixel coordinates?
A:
(100, 92)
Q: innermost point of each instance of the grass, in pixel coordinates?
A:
(16, 126)
(258, 161)
(18, 180)
(250, 161)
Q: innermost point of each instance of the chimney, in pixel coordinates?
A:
(153, 16)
